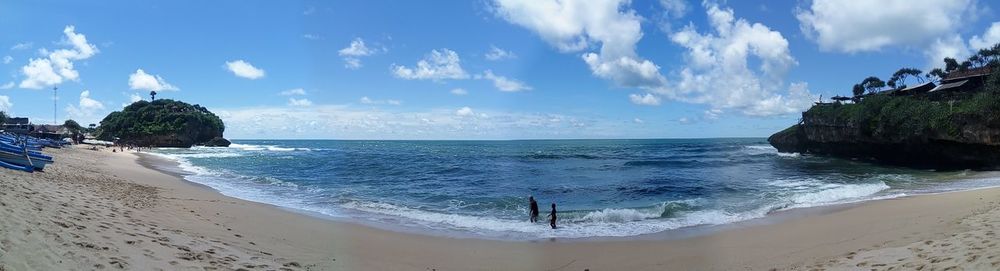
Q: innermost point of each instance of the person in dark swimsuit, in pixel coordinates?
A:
(552, 217)
(533, 211)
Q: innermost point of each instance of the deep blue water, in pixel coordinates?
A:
(601, 187)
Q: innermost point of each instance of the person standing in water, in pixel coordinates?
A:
(533, 211)
(552, 217)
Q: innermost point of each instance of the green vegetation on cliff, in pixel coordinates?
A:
(164, 123)
(905, 117)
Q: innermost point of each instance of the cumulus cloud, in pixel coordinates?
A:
(503, 83)
(353, 53)
(366, 122)
(858, 26)
(496, 54)
(647, 99)
(573, 26)
(464, 112)
(718, 71)
(988, 39)
(57, 66)
(244, 69)
(638, 120)
(140, 80)
(436, 65)
(8, 85)
(299, 102)
(293, 92)
(949, 46)
(5, 104)
(86, 110)
(7, 59)
(459, 91)
(366, 100)
(132, 98)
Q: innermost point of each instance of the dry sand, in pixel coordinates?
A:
(99, 210)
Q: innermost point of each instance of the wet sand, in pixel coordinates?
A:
(103, 210)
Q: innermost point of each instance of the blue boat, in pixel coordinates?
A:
(16, 167)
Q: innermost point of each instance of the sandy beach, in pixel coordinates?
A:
(103, 210)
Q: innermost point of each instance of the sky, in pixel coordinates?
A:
(482, 69)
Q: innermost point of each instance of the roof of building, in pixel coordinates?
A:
(17, 121)
(949, 86)
(925, 87)
(959, 75)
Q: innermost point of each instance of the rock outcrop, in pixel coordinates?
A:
(903, 130)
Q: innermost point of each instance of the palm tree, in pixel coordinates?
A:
(152, 95)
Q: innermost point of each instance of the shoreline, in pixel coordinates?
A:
(202, 227)
(172, 167)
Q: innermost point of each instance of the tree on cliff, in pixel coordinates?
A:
(858, 90)
(935, 75)
(950, 64)
(162, 122)
(872, 84)
(899, 77)
(3, 117)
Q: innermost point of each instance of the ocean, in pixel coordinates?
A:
(602, 188)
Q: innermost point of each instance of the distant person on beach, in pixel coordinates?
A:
(534, 209)
(552, 217)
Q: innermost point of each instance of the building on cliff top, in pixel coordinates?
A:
(960, 81)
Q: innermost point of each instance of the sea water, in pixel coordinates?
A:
(602, 188)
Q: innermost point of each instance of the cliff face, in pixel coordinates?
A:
(908, 131)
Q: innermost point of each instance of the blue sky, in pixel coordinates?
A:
(491, 69)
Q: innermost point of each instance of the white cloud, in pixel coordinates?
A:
(5, 104)
(712, 114)
(464, 112)
(858, 26)
(23, 46)
(436, 65)
(647, 99)
(39, 73)
(86, 110)
(140, 80)
(459, 91)
(132, 98)
(573, 26)
(8, 85)
(496, 53)
(684, 120)
(638, 120)
(309, 11)
(950, 46)
(366, 122)
(988, 39)
(503, 83)
(244, 69)
(353, 53)
(57, 66)
(7, 59)
(718, 71)
(366, 100)
(311, 36)
(299, 102)
(674, 8)
(293, 92)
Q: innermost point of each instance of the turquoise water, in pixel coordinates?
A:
(601, 187)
